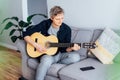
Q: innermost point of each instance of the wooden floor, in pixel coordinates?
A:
(10, 64)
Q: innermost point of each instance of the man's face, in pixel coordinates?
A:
(57, 20)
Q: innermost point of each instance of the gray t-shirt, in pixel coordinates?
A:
(53, 31)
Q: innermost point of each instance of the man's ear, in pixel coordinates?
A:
(51, 17)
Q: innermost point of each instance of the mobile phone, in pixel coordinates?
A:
(87, 68)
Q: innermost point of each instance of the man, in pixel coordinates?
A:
(53, 26)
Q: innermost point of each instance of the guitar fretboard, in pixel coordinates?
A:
(63, 44)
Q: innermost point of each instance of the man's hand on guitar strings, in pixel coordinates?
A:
(40, 48)
(75, 47)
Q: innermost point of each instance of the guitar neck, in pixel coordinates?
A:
(63, 44)
(83, 45)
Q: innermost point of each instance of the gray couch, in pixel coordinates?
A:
(70, 72)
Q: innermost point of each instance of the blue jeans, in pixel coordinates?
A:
(46, 61)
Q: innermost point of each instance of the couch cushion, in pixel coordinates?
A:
(51, 78)
(107, 46)
(53, 71)
(74, 33)
(33, 63)
(73, 72)
(81, 36)
(96, 34)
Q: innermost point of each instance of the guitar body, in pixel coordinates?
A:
(51, 44)
(42, 40)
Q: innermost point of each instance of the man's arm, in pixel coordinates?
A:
(75, 48)
(34, 44)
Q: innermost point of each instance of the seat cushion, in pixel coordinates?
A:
(53, 71)
(96, 34)
(73, 72)
(81, 36)
(51, 78)
(33, 63)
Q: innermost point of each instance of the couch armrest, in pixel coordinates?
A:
(27, 72)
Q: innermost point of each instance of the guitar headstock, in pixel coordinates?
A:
(89, 45)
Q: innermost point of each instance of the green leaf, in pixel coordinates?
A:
(30, 17)
(12, 18)
(14, 38)
(8, 25)
(23, 24)
(12, 31)
(19, 30)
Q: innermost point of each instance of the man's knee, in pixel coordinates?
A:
(75, 57)
(46, 59)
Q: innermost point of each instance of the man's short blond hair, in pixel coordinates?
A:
(56, 10)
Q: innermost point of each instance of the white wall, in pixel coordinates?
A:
(90, 13)
(9, 8)
(37, 6)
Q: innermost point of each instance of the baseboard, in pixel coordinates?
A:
(8, 46)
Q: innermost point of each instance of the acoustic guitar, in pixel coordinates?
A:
(51, 43)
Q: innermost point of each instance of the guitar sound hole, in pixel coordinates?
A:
(36, 42)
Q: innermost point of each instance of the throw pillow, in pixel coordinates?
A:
(108, 46)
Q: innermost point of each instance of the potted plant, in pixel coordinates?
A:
(18, 25)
